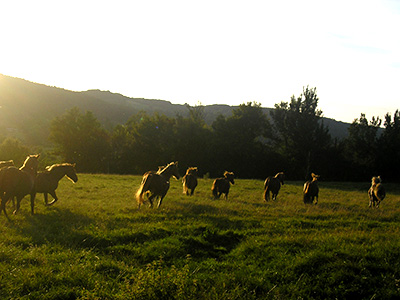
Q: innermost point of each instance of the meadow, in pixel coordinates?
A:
(95, 244)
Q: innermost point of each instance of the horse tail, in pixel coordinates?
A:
(266, 182)
(185, 185)
(214, 189)
(142, 189)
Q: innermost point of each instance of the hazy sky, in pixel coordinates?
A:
(208, 52)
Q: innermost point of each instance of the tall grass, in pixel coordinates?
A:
(95, 244)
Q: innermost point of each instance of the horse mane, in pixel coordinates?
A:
(226, 173)
(190, 170)
(27, 159)
(49, 168)
(163, 168)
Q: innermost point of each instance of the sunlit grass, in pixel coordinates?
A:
(95, 244)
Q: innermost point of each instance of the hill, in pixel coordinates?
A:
(27, 108)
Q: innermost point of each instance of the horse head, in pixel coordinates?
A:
(315, 177)
(281, 177)
(230, 176)
(31, 163)
(192, 171)
(375, 180)
(71, 173)
(170, 170)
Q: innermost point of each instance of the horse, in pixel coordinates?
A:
(311, 190)
(190, 181)
(156, 184)
(47, 181)
(222, 185)
(376, 192)
(6, 163)
(273, 185)
(18, 183)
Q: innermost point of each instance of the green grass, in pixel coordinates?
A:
(95, 244)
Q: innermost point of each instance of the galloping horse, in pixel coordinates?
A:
(190, 180)
(311, 190)
(376, 192)
(157, 184)
(47, 181)
(19, 183)
(273, 185)
(222, 185)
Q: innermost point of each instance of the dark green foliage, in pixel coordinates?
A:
(81, 139)
(299, 133)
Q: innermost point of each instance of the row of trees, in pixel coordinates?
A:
(293, 139)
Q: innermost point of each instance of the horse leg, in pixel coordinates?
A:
(19, 198)
(45, 198)
(159, 202)
(266, 195)
(4, 200)
(151, 200)
(53, 194)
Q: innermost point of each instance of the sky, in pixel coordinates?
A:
(211, 52)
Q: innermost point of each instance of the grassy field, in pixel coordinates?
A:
(94, 244)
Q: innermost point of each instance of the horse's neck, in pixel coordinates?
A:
(166, 173)
(57, 173)
(31, 171)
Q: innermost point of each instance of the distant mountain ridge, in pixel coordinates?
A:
(27, 108)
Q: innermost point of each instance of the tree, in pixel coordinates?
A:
(13, 149)
(81, 139)
(361, 144)
(238, 141)
(299, 132)
(388, 147)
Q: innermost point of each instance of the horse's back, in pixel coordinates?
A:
(273, 184)
(190, 181)
(44, 182)
(13, 180)
(221, 184)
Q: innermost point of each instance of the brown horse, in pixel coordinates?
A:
(18, 183)
(156, 184)
(222, 185)
(376, 192)
(311, 190)
(273, 185)
(190, 181)
(47, 181)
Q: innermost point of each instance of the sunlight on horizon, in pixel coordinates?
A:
(219, 52)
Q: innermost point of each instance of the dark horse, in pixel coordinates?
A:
(376, 192)
(18, 183)
(222, 185)
(311, 190)
(273, 185)
(47, 181)
(156, 184)
(190, 181)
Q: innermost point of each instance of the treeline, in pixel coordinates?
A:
(292, 138)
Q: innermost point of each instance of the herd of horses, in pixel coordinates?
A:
(16, 183)
(155, 184)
